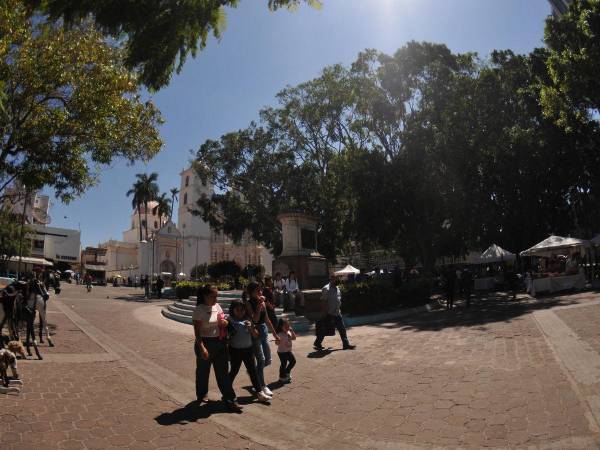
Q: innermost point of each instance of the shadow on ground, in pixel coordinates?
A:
(486, 309)
(193, 412)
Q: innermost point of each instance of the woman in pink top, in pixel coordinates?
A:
(286, 335)
(210, 347)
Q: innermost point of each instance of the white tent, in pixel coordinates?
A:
(348, 270)
(551, 245)
(494, 254)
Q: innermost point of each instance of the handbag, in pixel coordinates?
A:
(325, 326)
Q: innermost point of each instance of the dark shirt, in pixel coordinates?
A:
(254, 304)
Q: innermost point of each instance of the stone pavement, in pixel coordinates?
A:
(501, 374)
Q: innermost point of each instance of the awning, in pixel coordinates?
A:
(32, 260)
(494, 254)
(95, 267)
(552, 244)
(348, 270)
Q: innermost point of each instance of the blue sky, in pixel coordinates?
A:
(261, 52)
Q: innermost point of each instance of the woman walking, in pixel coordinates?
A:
(210, 349)
(258, 311)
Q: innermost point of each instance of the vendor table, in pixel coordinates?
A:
(556, 284)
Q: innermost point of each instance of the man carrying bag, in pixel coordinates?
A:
(331, 299)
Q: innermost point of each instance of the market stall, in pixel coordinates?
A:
(493, 255)
(559, 268)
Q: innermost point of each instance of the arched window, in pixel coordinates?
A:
(185, 198)
(187, 181)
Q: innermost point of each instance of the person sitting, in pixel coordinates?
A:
(293, 293)
(278, 288)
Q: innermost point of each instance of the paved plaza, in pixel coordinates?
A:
(501, 374)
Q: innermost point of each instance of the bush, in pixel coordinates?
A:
(224, 269)
(183, 289)
(374, 296)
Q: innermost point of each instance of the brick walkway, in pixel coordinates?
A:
(490, 376)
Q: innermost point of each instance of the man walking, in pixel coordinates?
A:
(332, 298)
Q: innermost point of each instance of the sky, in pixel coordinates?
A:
(261, 52)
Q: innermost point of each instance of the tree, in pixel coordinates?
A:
(199, 271)
(158, 35)
(10, 238)
(163, 207)
(174, 194)
(571, 92)
(136, 202)
(69, 105)
(224, 269)
(148, 191)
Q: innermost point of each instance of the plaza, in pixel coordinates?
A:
(501, 374)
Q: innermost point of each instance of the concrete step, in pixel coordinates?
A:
(177, 317)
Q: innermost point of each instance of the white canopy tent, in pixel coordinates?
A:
(348, 270)
(553, 244)
(495, 254)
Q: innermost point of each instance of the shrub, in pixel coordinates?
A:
(373, 296)
(223, 269)
(183, 289)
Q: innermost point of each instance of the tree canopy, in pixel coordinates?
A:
(158, 35)
(69, 105)
(427, 152)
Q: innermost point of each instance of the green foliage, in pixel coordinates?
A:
(184, 289)
(253, 271)
(144, 190)
(70, 105)
(158, 35)
(223, 269)
(374, 296)
(571, 89)
(10, 238)
(163, 207)
(199, 271)
(426, 152)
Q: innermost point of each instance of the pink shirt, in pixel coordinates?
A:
(285, 342)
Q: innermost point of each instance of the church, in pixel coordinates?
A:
(173, 250)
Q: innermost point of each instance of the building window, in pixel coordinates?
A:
(143, 223)
(187, 181)
(185, 198)
(38, 244)
(155, 224)
(184, 225)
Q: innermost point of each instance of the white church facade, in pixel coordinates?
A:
(173, 250)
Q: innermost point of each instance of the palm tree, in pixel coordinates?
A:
(162, 208)
(136, 202)
(148, 192)
(174, 192)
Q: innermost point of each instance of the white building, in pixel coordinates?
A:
(195, 232)
(59, 245)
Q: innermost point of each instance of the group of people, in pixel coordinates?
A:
(225, 341)
(242, 336)
(286, 291)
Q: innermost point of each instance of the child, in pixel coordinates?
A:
(286, 335)
(241, 332)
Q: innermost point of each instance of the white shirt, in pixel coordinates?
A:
(291, 285)
(208, 317)
(279, 284)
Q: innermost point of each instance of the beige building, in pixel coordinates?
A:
(121, 258)
(248, 251)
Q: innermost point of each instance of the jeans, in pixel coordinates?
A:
(262, 352)
(217, 357)
(288, 361)
(341, 327)
(245, 355)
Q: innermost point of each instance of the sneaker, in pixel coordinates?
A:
(349, 347)
(263, 398)
(268, 391)
(233, 406)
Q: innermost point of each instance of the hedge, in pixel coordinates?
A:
(183, 289)
(374, 296)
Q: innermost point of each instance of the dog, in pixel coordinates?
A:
(8, 359)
